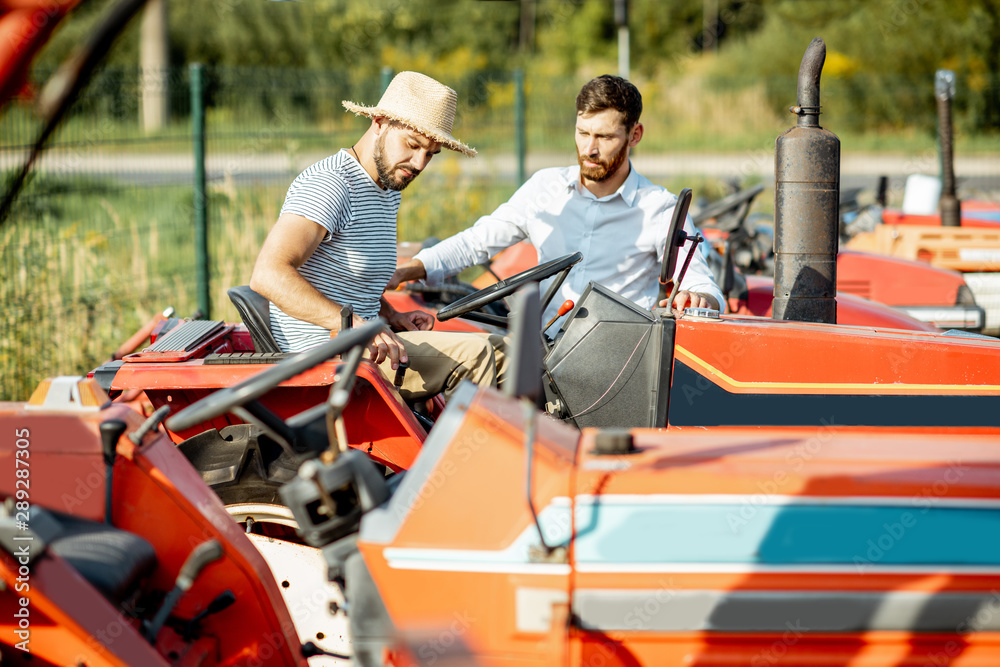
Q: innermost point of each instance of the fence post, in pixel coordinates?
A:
(200, 200)
(519, 139)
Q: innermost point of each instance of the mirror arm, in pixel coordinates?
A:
(695, 240)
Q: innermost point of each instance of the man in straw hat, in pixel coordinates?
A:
(334, 244)
(602, 207)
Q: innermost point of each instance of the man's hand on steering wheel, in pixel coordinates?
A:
(414, 320)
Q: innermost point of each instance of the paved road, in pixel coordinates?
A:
(980, 173)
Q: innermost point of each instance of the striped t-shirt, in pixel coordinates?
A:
(355, 260)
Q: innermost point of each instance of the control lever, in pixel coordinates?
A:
(563, 309)
(150, 424)
(310, 470)
(201, 556)
(310, 650)
(142, 335)
(340, 394)
(111, 431)
(223, 600)
(346, 317)
(397, 381)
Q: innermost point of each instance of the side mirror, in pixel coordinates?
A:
(674, 244)
(524, 379)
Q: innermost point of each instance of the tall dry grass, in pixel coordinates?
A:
(75, 285)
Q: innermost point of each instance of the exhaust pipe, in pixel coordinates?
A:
(944, 93)
(807, 206)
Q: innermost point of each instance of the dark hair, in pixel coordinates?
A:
(611, 92)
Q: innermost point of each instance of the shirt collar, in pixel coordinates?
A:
(627, 190)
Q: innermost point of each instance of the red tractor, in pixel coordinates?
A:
(743, 490)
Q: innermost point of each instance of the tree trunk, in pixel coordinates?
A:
(155, 66)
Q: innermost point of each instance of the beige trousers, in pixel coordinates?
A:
(440, 360)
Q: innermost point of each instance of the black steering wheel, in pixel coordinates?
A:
(675, 239)
(229, 398)
(508, 286)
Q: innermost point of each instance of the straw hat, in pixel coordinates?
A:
(421, 103)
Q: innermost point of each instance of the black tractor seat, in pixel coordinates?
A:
(255, 311)
(112, 560)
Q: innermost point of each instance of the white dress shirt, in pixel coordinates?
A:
(621, 236)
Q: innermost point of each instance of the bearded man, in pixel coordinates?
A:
(603, 208)
(334, 245)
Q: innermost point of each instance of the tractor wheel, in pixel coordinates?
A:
(241, 464)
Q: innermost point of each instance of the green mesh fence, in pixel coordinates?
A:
(100, 234)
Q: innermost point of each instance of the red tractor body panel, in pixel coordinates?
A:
(974, 214)
(158, 496)
(896, 282)
(728, 546)
(376, 419)
(851, 309)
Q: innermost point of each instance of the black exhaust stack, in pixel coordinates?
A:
(807, 206)
(944, 93)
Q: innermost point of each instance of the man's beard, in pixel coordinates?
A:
(604, 170)
(387, 173)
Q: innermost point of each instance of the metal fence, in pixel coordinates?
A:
(97, 237)
(103, 235)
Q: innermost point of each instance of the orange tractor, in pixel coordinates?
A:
(827, 542)
(963, 236)
(743, 490)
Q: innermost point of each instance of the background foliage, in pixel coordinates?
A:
(870, 42)
(103, 238)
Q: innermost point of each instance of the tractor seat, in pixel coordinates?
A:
(112, 560)
(255, 311)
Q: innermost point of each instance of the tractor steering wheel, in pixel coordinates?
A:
(229, 398)
(508, 286)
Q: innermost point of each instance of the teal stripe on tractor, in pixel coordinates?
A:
(787, 534)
